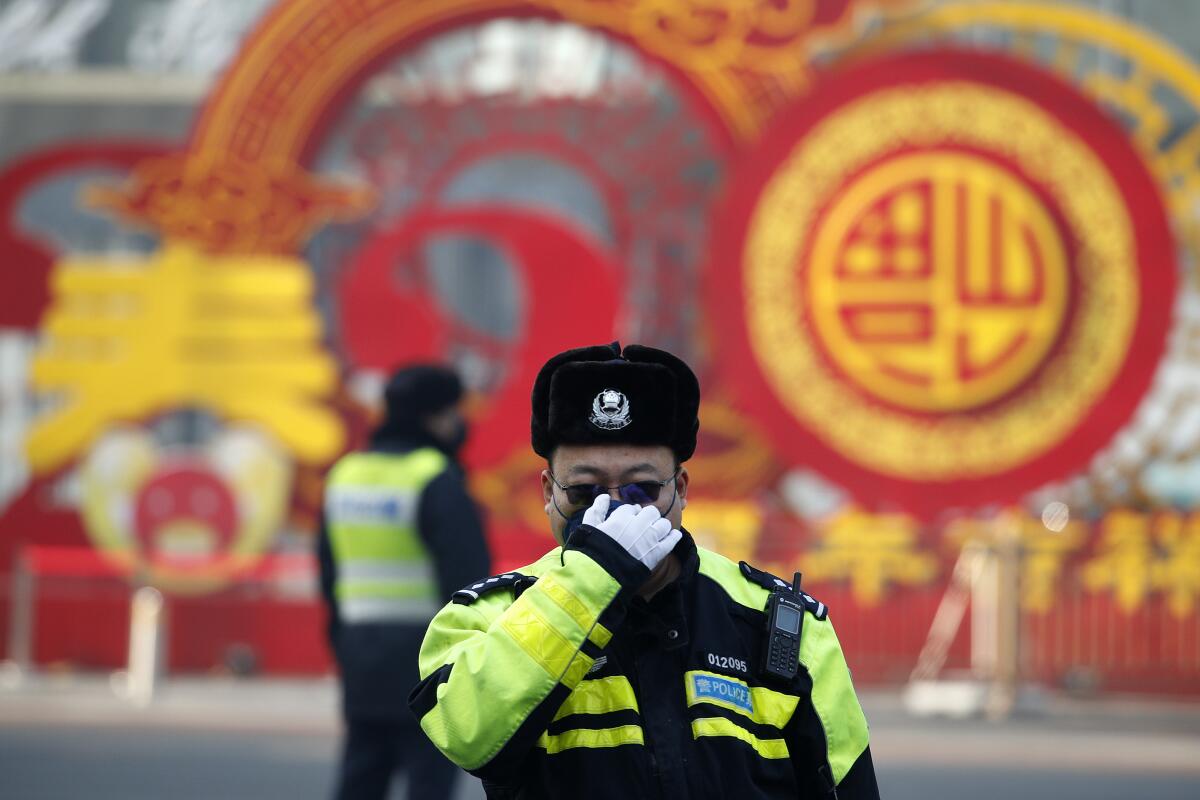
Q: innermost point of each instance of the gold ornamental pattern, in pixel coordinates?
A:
(1013, 429)
(938, 281)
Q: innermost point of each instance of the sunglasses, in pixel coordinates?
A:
(637, 493)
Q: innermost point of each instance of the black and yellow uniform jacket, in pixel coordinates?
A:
(556, 681)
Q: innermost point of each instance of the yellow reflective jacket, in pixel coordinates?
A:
(557, 681)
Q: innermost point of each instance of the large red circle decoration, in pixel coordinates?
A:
(943, 279)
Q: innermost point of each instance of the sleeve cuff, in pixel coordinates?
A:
(616, 560)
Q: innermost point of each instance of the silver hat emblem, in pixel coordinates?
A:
(610, 410)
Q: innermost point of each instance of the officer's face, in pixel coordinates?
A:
(611, 465)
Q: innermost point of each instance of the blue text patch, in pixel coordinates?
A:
(722, 691)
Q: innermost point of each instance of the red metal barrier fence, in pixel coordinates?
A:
(269, 620)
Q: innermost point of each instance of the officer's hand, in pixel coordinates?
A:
(642, 531)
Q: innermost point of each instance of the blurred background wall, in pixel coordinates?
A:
(935, 264)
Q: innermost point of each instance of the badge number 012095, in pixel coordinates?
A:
(726, 662)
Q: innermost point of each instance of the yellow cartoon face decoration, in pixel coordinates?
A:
(184, 517)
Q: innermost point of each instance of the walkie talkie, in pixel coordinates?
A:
(785, 612)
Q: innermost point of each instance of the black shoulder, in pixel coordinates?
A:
(774, 583)
(509, 580)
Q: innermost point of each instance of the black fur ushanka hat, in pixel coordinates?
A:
(606, 395)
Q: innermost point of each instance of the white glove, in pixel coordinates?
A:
(642, 531)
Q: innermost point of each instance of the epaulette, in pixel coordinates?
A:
(776, 584)
(509, 580)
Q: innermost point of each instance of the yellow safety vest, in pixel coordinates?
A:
(384, 572)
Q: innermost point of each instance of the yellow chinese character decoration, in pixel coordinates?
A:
(871, 551)
(1124, 559)
(1139, 555)
(1043, 551)
(234, 335)
(1043, 554)
(1177, 573)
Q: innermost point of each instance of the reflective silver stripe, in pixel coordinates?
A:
(381, 609)
(398, 571)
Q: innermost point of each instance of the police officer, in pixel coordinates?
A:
(398, 531)
(629, 662)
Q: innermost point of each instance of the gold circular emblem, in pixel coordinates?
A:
(938, 281)
(873, 325)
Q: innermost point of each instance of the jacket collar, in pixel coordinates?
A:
(689, 557)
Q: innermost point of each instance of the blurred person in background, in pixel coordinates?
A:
(629, 662)
(398, 531)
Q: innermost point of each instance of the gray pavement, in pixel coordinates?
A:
(72, 737)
